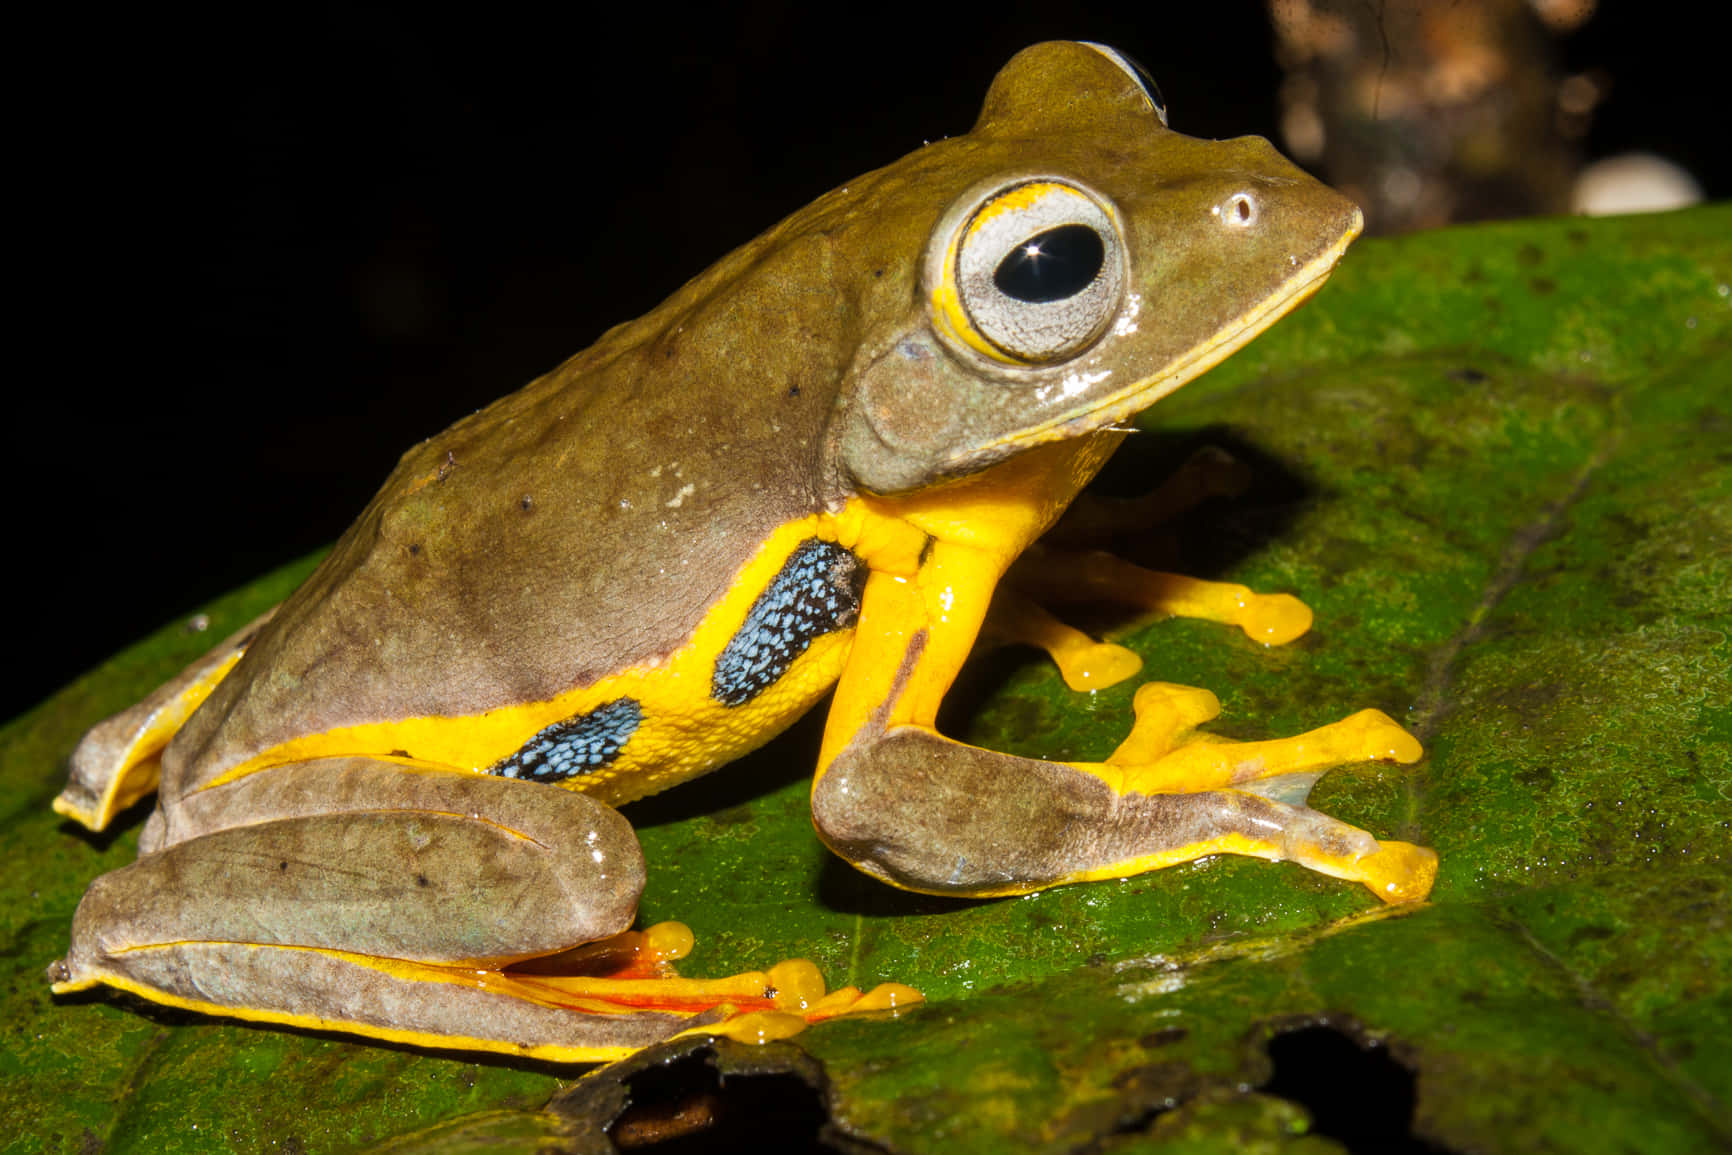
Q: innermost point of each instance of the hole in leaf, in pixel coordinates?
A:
(687, 1106)
(1357, 1095)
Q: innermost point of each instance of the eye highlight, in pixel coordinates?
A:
(1033, 275)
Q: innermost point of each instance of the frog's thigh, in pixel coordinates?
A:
(306, 917)
(929, 814)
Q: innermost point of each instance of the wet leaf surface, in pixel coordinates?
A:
(1497, 462)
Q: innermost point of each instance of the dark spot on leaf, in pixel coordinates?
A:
(421, 880)
(1537, 779)
(732, 816)
(1529, 255)
(1158, 1085)
(282, 866)
(1355, 1092)
(1468, 375)
(1544, 286)
(399, 753)
(1591, 934)
(1164, 1037)
(414, 548)
(1578, 237)
(526, 503)
(1040, 917)
(793, 390)
(1147, 1092)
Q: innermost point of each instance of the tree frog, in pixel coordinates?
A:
(387, 808)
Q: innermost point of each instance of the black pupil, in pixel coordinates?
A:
(1051, 266)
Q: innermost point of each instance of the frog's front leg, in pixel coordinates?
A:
(367, 896)
(923, 812)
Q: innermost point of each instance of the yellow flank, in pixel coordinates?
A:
(685, 731)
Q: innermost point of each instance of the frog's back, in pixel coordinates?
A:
(579, 526)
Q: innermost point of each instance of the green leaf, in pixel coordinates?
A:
(1497, 462)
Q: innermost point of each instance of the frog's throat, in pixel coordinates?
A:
(1138, 396)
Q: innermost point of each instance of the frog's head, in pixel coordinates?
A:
(1085, 261)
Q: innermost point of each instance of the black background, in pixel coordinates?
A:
(280, 247)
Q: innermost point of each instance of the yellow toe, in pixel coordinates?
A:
(1275, 619)
(1099, 666)
(1399, 871)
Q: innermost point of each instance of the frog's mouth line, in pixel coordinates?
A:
(1135, 398)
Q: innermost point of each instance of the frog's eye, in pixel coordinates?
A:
(1034, 275)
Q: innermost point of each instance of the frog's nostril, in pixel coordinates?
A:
(1238, 211)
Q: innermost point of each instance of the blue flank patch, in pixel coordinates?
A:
(816, 592)
(575, 746)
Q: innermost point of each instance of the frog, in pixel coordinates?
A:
(828, 465)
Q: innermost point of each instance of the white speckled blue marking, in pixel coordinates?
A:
(575, 746)
(816, 592)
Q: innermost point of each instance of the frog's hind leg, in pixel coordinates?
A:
(428, 907)
(1057, 577)
(1060, 570)
(117, 762)
(1042, 576)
